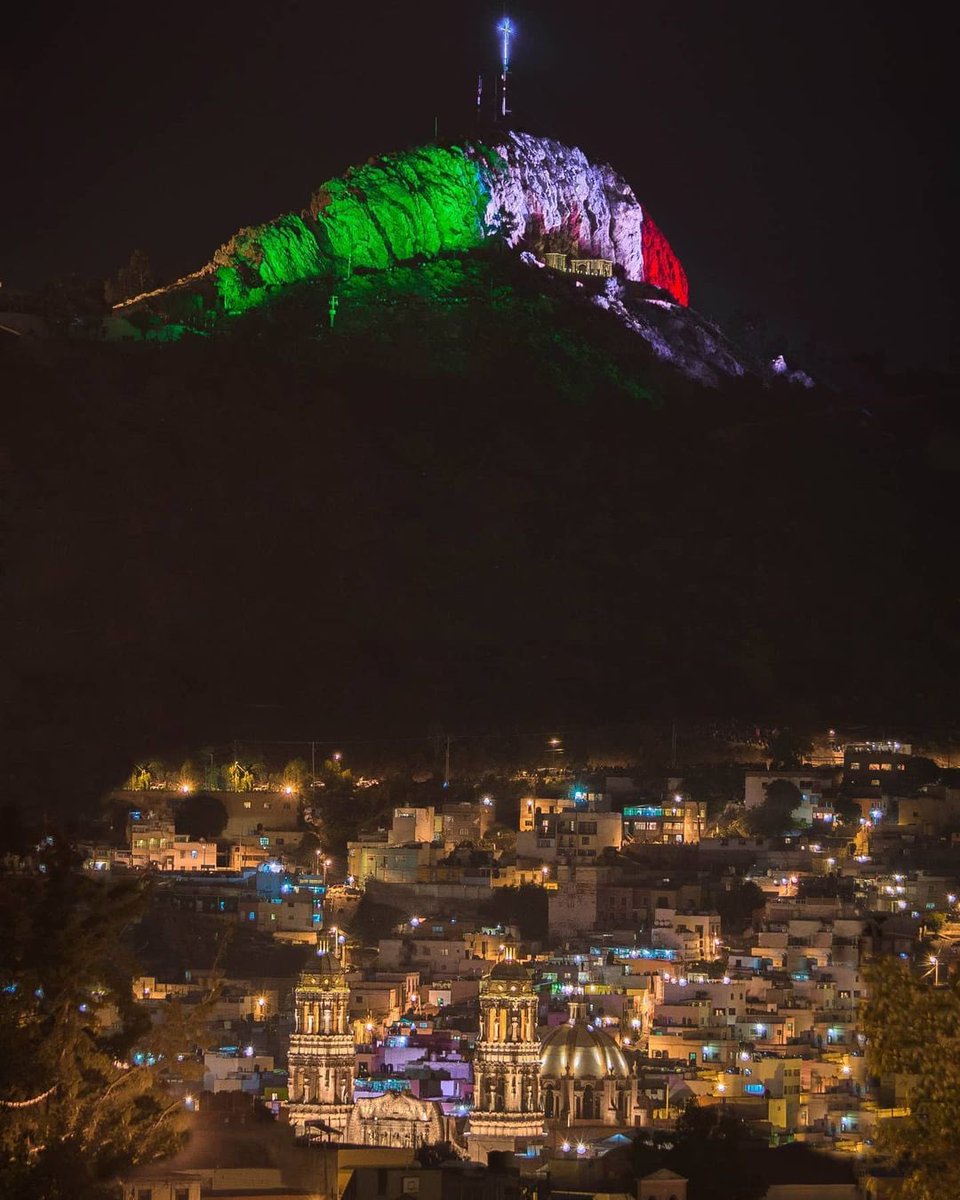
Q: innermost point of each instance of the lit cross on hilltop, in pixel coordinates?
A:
(506, 29)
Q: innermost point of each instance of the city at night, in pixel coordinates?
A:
(480, 707)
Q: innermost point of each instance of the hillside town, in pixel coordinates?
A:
(446, 1004)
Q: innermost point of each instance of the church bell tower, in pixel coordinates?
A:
(507, 1106)
(321, 1059)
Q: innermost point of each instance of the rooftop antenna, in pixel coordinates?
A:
(506, 29)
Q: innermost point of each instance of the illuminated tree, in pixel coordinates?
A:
(296, 775)
(239, 777)
(80, 1101)
(140, 778)
(913, 1030)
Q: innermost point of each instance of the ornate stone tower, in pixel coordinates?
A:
(321, 1058)
(507, 1108)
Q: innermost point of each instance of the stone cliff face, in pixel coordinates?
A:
(542, 188)
(527, 191)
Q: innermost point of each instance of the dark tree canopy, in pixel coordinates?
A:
(787, 749)
(774, 817)
(524, 906)
(76, 1107)
(913, 1029)
(737, 905)
(201, 816)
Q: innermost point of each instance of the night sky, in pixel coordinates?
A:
(796, 155)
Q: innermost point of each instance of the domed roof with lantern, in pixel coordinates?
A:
(508, 975)
(581, 1050)
(327, 972)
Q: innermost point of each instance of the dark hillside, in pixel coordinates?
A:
(492, 507)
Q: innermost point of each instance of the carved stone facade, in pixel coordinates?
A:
(396, 1119)
(321, 1059)
(508, 1110)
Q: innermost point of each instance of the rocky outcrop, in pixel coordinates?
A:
(539, 187)
(434, 200)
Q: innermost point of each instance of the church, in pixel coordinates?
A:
(528, 1095)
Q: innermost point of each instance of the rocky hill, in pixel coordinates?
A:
(542, 200)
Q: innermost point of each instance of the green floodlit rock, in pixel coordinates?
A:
(421, 203)
(424, 202)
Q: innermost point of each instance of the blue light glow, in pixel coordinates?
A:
(506, 29)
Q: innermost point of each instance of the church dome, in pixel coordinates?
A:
(510, 970)
(581, 1051)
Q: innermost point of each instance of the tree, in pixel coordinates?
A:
(305, 855)
(786, 749)
(525, 906)
(709, 1150)
(774, 817)
(296, 775)
(717, 784)
(239, 777)
(736, 905)
(847, 812)
(131, 280)
(433, 1156)
(139, 779)
(78, 1105)
(201, 816)
(913, 1030)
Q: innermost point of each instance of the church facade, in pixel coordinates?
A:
(527, 1094)
(321, 1064)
